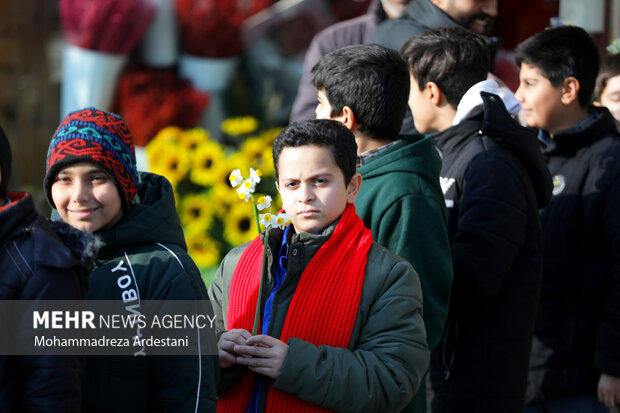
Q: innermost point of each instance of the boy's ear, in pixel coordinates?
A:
(570, 90)
(348, 118)
(354, 188)
(433, 93)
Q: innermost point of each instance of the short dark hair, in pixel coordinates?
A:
(609, 68)
(324, 133)
(562, 52)
(372, 80)
(452, 57)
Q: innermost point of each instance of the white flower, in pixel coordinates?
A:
(246, 189)
(255, 175)
(267, 220)
(235, 177)
(281, 220)
(263, 202)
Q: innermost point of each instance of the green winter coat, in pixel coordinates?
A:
(402, 203)
(387, 356)
(149, 243)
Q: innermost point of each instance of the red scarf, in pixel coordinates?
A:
(322, 310)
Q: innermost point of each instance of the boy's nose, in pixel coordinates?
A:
(306, 193)
(81, 192)
(519, 95)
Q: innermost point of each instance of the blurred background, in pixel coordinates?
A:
(189, 63)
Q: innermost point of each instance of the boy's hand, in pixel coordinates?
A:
(262, 354)
(609, 390)
(226, 345)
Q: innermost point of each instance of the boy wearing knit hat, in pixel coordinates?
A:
(93, 184)
(38, 261)
(341, 326)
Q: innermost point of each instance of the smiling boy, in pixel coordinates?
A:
(576, 349)
(341, 327)
(93, 184)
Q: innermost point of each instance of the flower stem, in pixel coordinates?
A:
(256, 214)
(262, 271)
(260, 285)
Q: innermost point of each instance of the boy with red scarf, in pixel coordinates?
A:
(341, 326)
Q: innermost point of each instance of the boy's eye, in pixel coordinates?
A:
(99, 178)
(291, 184)
(320, 180)
(63, 179)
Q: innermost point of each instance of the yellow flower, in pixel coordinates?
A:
(241, 125)
(267, 161)
(192, 139)
(222, 199)
(240, 224)
(169, 134)
(269, 136)
(196, 211)
(208, 164)
(201, 248)
(237, 160)
(173, 164)
(253, 149)
(258, 152)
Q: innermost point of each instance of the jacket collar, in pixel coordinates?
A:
(16, 214)
(599, 125)
(496, 122)
(427, 15)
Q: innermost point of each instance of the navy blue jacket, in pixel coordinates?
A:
(494, 181)
(35, 264)
(578, 326)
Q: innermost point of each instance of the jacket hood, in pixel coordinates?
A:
(521, 141)
(496, 123)
(601, 124)
(152, 219)
(425, 15)
(398, 159)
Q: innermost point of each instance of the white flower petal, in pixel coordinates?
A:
(281, 220)
(235, 177)
(254, 176)
(267, 220)
(263, 202)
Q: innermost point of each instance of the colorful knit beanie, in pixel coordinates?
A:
(94, 135)
(5, 163)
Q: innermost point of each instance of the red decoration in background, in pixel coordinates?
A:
(109, 26)
(150, 99)
(210, 28)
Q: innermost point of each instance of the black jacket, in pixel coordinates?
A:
(578, 326)
(35, 264)
(148, 243)
(494, 181)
